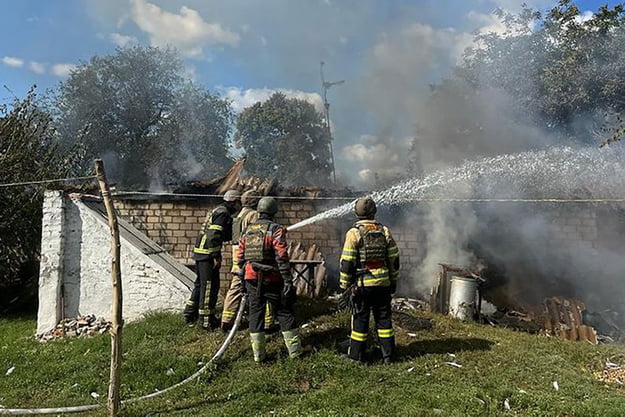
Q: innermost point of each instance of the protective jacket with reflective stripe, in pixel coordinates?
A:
(217, 228)
(354, 266)
(246, 216)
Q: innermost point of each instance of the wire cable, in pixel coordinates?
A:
(118, 194)
(17, 184)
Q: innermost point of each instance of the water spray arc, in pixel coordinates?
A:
(554, 175)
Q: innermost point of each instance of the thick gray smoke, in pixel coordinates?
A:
(542, 223)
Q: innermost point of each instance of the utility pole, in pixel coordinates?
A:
(325, 86)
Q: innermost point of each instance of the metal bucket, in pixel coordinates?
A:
(462, 298)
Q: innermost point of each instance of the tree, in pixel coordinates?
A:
(543, 80)
(560, 68)
(136, 110)
(28, 152)
(285, 138)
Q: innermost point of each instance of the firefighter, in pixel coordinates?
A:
(370, 268)
(217, 228)
(263, 260)
(232, 301)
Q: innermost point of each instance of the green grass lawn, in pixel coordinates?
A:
(496, 365)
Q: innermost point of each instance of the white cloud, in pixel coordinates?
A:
(246, 98)
(378, 159)
(37, 67)
(121, 40)
(486, 22)
(584, 17)
(62, 69)
(187, 31)
(11, 61)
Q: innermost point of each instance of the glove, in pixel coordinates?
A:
(217, 263)
(393, 287)
(288, 293)
(344, 299)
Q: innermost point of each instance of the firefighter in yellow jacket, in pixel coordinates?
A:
(232, 301)
(370, 268)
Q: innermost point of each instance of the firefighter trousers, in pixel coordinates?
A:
(232, 301)
(376, 300)
(271, 294)
(203, 298)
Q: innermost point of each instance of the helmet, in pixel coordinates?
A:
(267, 205)
(365, 207)
(249, 198)
(232, 195)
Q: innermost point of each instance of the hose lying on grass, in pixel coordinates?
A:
(83, 408)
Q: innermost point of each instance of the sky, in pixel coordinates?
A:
(388, 53)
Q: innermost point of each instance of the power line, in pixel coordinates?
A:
(16, 184)
(417, 200)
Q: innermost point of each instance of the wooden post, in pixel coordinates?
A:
(117, 322)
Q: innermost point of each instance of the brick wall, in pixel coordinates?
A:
(575, 227)
(174, 224)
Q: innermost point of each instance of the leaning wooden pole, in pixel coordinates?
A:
(117, 322)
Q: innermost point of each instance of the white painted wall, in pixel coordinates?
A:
(76, 255)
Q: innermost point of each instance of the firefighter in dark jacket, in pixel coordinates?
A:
(264, 267)
(370, 268)
(216, 230)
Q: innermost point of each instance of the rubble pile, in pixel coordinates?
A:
(81, 326)
(407, 304)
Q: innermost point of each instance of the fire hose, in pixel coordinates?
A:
(83, 408)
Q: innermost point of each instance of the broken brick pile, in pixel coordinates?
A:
(81, 326)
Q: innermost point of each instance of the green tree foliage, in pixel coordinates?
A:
(28, 152)
(564, 70)
(136, 109)
(285, 138)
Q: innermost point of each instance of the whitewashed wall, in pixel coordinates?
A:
(75, 271)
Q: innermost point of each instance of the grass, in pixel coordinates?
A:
(497, 365)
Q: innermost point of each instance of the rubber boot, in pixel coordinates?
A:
(386, 338)
(293, 343)
(190, 313)
(258, 346)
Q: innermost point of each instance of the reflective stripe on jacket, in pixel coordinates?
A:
(217, 228)
(371, 274)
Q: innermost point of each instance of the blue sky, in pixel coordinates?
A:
(387, 51)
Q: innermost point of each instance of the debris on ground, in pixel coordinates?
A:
(410, 323)
(408, 304)
(81, 326)
(612, 374)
